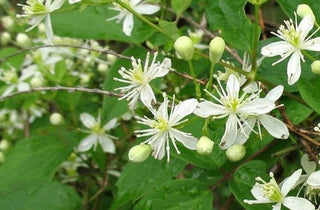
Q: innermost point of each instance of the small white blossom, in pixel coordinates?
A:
(97, 134)
(138, 80)
(235, 107)
(163, 127)
(270, 192)
(14, 82)
(294, 39)
(137, 5)
(37, 10)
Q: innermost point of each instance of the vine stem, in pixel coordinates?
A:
(197, 86)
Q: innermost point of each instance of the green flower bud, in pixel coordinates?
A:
(216, 49)
(304, 10)
(257, 2)
(56, 119)
(236, 153)
(36, 82)
(112, 58)
(315, 67)
(2, 157)
(4, 145)
(7, 23)
(23, 40)
(103, 68)
(5, 38)
(204, 145)
(139, 153)
(184, 47)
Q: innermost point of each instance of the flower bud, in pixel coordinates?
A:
(42, 28)
(7, 23)
(304, 10)
(236, 153)
(315, 67)
(56, 119)
(5, 38)
(37, 82)
(23, 40)
(2, 157)
(204, 145)
(111, 58)
(216, 49)
(4, 145)
(139, 153)
(184, 47)
(84, 79)
(103, 68)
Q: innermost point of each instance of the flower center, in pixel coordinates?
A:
(231, 103)
(289, 33)
(138, 75)
(313, 193)
(271, 189)
(10, 77)
(161, 124)
(96, 129)
(34, 7)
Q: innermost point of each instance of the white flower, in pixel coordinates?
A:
(275, 127)
(137, 5)
(270, 192)
(97, 134)
(10, 77)
(236, 107)
(163, 127)
(294, 40)
(139, 79)
(73, 1)
(37, 11)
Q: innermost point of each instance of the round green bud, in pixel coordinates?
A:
(139, 153)
(204, 145)
(111, 58)
(2, 157)
(304, 10)
(56, 119)
(36, 82)
(23, 40)
(7, 23)
(184, 47)
(5, 38)
(103, 68)
(315, 67)
(236, 153)
(4, 145)
(216, 49)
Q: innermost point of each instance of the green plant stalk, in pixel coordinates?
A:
(255, 44)
(209, 84)
(205, 127)
(308, 55)
(127, 7)
(196, 84)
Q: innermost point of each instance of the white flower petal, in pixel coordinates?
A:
(183, 109)
(243, 135)
(312, 44)
(111, 124)
(73, 1)
(275, 127)
(147, 9)
(290, 182)
(275, 93)
(87, 143)
(158, 145)
(49, 31)
(305, 26)
(230, 133)
(276, 207)
(128, 24)
(187, 140)
(107, 144)
(277, 48)
(297, 203)
(257, 107)
(294, 68)
(258, 193)
(23, 86)
(147, 95)
(314, 179)
(88, 120)
(233, 86)
(56, 4)
(9, 90)
(307, 165)
(207, 108)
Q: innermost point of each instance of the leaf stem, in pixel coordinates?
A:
(209, 84)
(197, 86)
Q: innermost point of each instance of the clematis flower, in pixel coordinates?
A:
(14, 82)
(97, 134)
(163, 127)
(36, 10)
(270, 192)
(139, 79)
(137, 5)
(294, 40)
(235, 107)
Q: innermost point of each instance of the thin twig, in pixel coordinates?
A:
(61, 88)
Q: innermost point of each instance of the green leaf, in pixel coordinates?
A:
(296, 111)
(310, 92)
(49, 196)
(179, 6)
(243, 181)
(229, 17)
(289, 7)
(170, 28)
(137, 179)
(178, 194)
(15, 61)
(93, 23)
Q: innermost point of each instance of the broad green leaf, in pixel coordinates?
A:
(15, 61)
(289, 7)
(243, 181)
(35, 158)
(178, 195)
(229, 17)
(170, 29)
(296, 111)
(310, 92)
(179, 6)
(137, 179)
(93, 23)
(48, 195)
